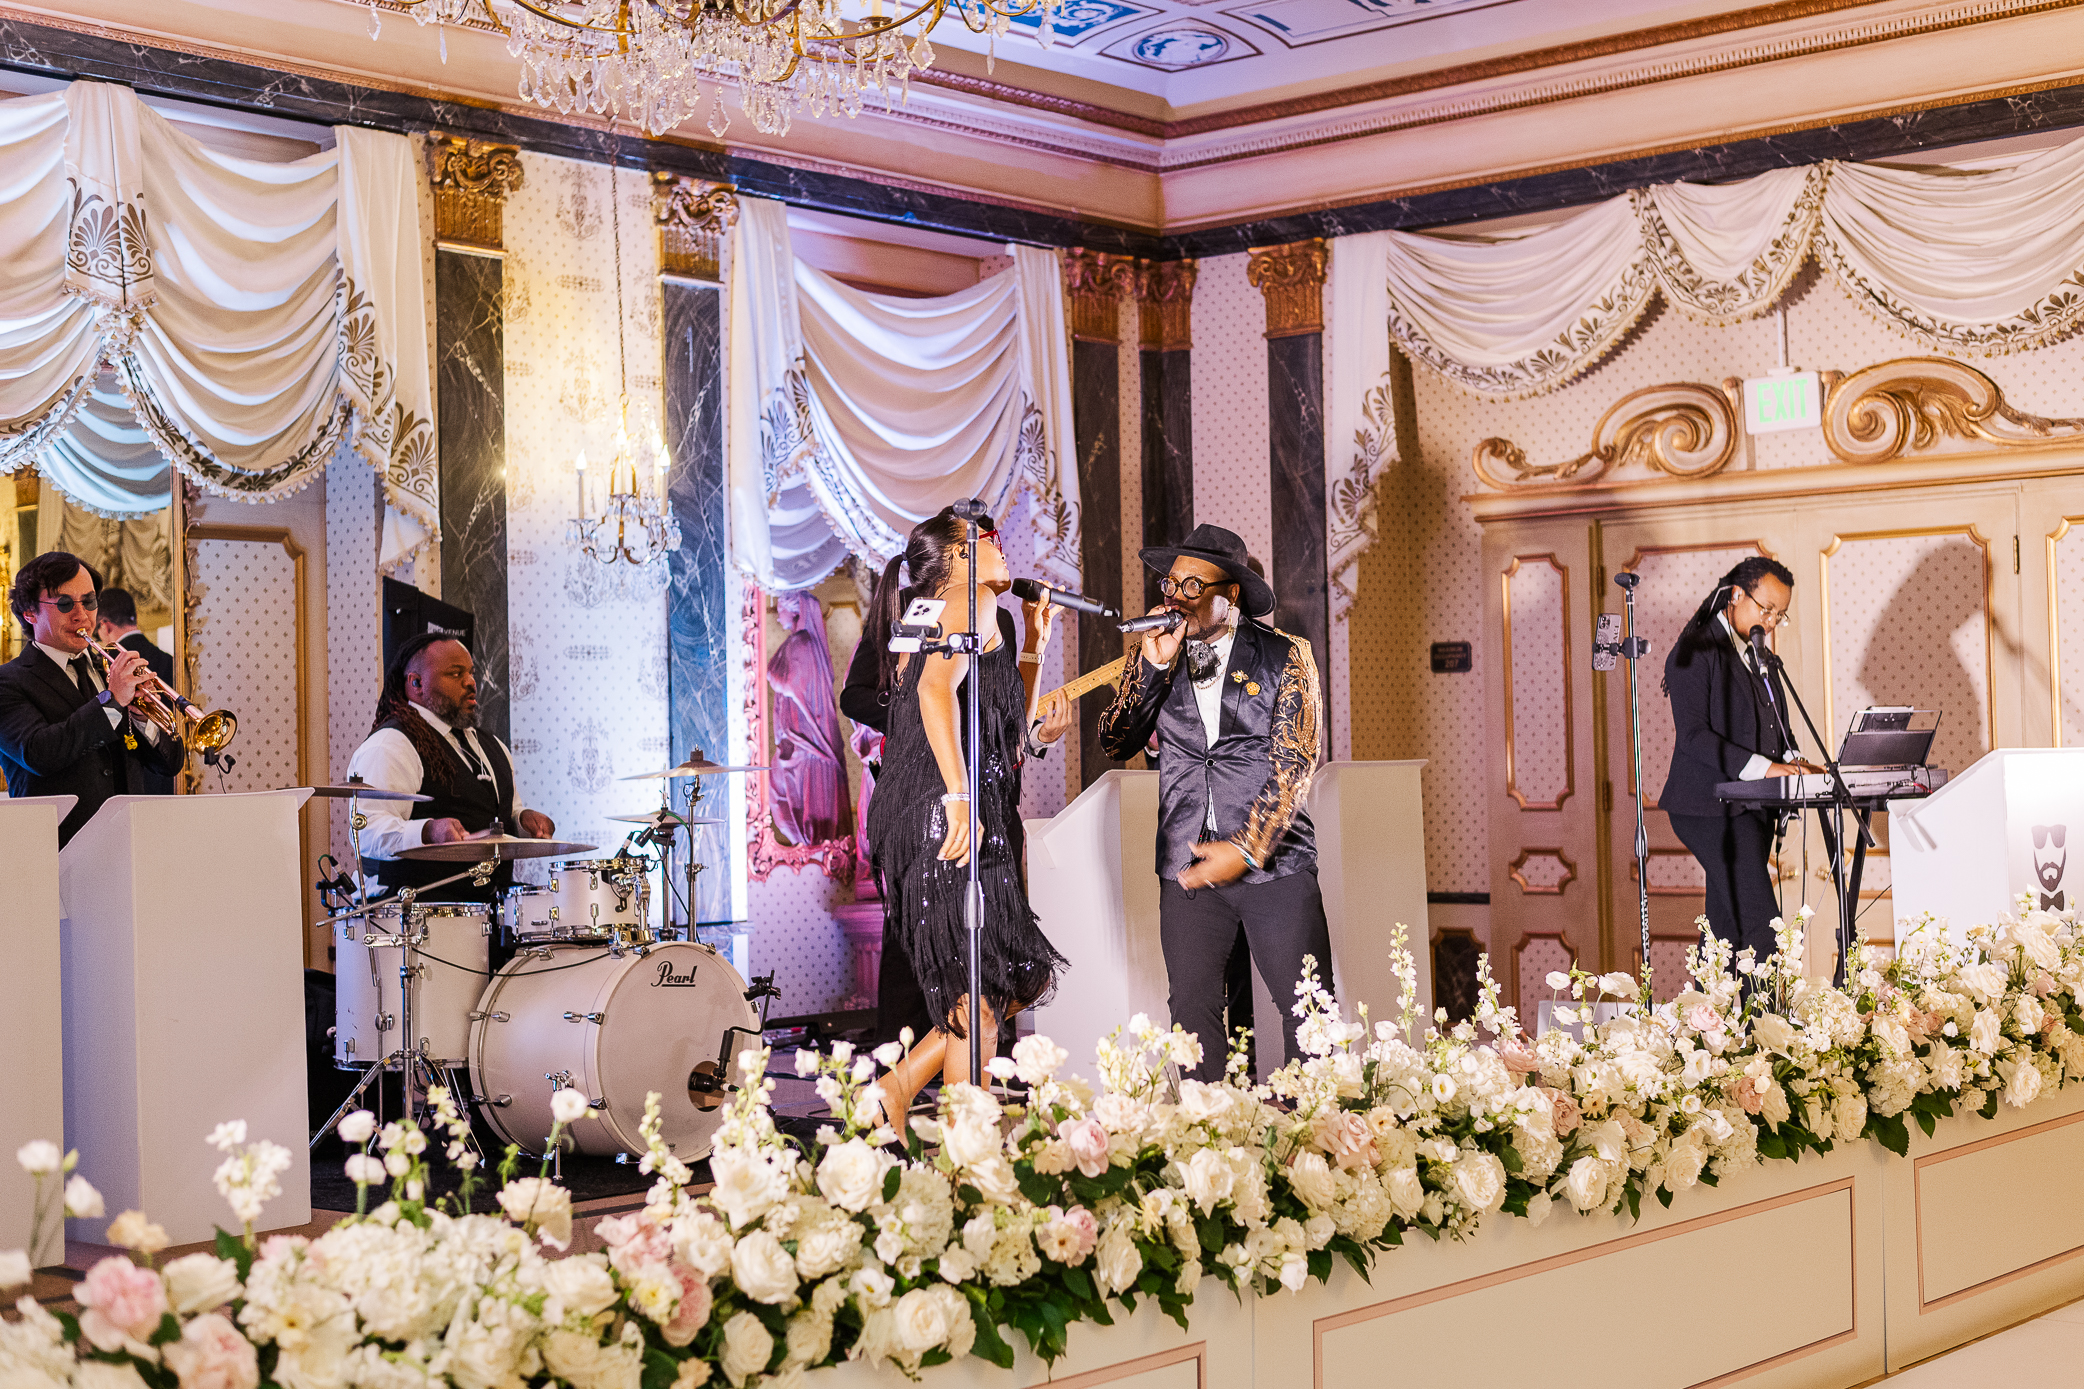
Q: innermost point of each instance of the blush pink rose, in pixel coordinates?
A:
(123, 1301)
(1080, 1221)
(1750, 1094)
(211, 1354)
(1563, 1111)
(1087, 1139)
(693, 1312)
(1519, 1060)
(1347, 1137)
(634, 1241)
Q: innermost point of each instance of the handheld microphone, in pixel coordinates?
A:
(1157, 622)
(1030, 591)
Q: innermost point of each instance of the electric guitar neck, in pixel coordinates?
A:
(1092, 680)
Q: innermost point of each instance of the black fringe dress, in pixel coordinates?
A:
(907, 822)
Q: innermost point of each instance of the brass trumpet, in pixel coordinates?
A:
(166, 706)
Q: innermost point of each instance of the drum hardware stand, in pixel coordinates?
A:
(1834, 827)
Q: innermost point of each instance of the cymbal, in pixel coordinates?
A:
(495, 846)
(667, 817)
(693, 767)
(366, 792)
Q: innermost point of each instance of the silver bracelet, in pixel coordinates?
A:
(954, 796)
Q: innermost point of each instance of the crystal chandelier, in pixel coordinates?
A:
(642, 59)
(638, 528)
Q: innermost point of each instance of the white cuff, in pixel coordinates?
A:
(1756, 768)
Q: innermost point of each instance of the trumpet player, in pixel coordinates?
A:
(71, 725)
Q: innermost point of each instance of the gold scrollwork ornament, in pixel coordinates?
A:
(1686, 430)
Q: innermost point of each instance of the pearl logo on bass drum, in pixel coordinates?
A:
(667, 979)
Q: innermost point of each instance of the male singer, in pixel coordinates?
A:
(64, 730)
(1235, 706)
(1727, 729)
(118, 627)
(426, 740)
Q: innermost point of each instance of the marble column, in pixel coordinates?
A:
(1291, 278)
(471, 181)
(1095, 283)
(1166, 293)
(692, 220)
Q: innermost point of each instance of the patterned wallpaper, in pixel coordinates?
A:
(1908, 625)
(2068, 555)
(1538, 687)
(246, 640)
(1232, 484)
(588, 642)
(354, 636)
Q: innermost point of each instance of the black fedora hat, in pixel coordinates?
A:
(1225, 550)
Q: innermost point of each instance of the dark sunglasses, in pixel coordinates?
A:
(65, 602)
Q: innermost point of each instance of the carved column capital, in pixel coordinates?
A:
(1095, 283)
(1166, 291)
(693, 219)
(1292, 279)
(471, 182)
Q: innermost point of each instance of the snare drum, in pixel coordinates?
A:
(592, 900)
(454, 958)
(615, 1025)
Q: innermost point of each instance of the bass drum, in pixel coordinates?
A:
(616, 1026)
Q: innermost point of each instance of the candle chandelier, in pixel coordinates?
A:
(642, 59)
(638, 527)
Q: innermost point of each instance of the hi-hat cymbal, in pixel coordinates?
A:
(499, 846)
(666, 817)
(697, 766)
(366, 792)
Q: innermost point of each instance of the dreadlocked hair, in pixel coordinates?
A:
(1698, 633)
(929, 554)
(438, 763)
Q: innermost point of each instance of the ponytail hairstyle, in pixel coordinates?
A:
(1699, 632)
(929, 555)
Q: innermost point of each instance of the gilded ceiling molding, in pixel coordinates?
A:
(1685, 429)
(1913, 404)
(693, 219)
(1292, 279)
(471, 182)
(1095, 283)
(1165, 289)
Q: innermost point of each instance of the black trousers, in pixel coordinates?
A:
(1734, 851)
(1281, 919)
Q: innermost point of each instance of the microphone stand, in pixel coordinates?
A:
(1632, 648)
(1841, 802)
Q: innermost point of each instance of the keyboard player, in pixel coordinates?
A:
(1727, 717)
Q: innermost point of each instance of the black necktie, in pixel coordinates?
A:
(477, 768)
(83, 677)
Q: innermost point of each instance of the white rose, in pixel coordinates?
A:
(1538, 1207)
(581, 1284)
(40, 1158)
(1036, 1058)
(851, 1176)
(762, 1269)
(1120, 1261)
(567, 1106)
(584, 1363)
(922, 1321)
(14, 1268)
(2023, 1083)
(1479, 1180)
(357, 1128)
(1682, 1169)
(1209, 1179)
(1587, 1182)
(1311, 1177)
(1772, 1032)
(1407, 1194)
(967, 1141)
(199, 1282)
(748, 1345)
(542, 1201)
(746, 1184)
(1983, 1033)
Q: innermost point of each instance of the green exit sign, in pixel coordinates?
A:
(1790, 401)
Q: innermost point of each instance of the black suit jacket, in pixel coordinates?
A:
(156, 783)
(1261, 765)
(55, 741)
(1720, 718)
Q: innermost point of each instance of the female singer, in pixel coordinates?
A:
(919, 823)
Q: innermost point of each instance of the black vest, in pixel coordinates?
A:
(1235, 770)
(459, 794)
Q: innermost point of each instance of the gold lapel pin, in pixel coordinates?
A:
(1252, 688)
(1237, 676)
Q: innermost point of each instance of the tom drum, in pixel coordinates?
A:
(453, 956)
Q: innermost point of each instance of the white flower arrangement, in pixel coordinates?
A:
(910, 1250)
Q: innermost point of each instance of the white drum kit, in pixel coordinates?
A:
(596, 999)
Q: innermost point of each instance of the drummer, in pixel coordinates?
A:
(426, 740)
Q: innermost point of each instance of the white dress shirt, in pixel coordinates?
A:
(146, 729)
(388, 759)
(1760, 764)
(1208, 698)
